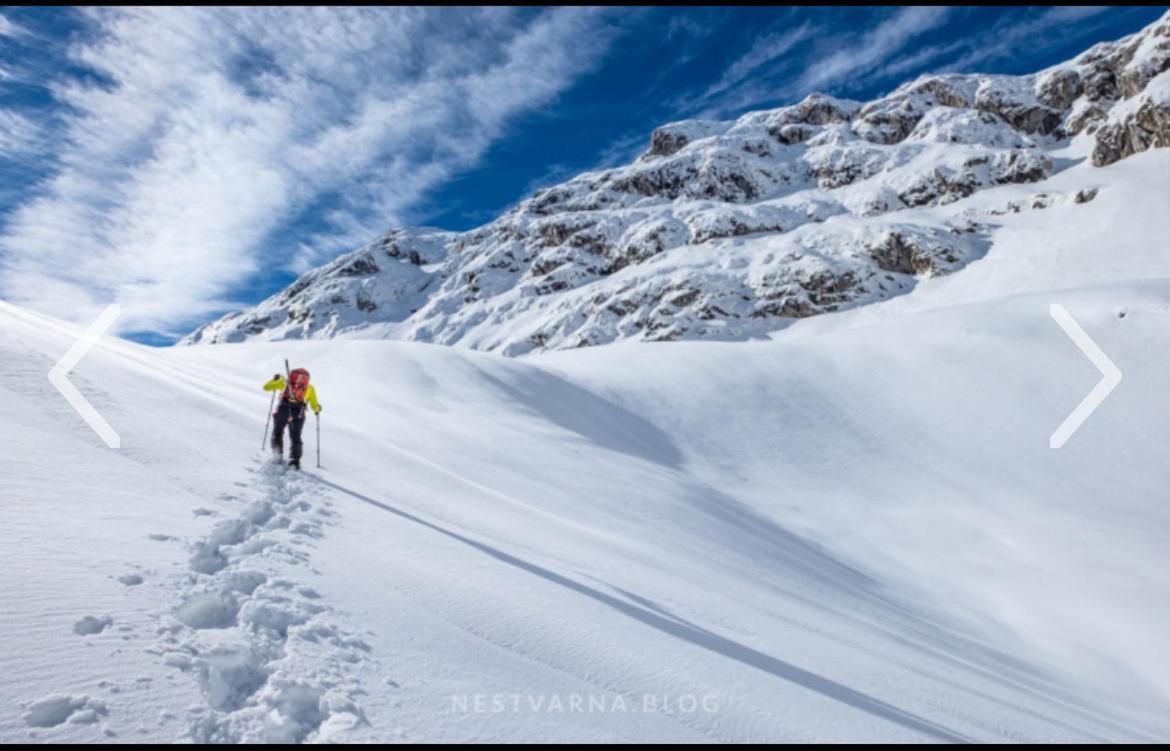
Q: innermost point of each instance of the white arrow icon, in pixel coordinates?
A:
(59, 377)
(1111, 373)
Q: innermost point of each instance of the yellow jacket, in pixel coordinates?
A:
(277, 384)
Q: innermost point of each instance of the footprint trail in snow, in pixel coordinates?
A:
(271, 659)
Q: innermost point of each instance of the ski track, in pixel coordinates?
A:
(271, 659)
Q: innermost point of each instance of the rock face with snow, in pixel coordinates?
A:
(730, 229)
(1141, 123)
(386, 280)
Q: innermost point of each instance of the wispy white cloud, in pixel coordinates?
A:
(920, 60)
(1040, 31)
(766, 49)
(223, 125)
(687, 34)
(1047, 29)
(882, 43)
(792, 62)
(19, 136)
(1072, 13)
(7, 28)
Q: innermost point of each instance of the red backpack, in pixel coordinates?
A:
(298, 384)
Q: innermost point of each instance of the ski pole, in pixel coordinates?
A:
(271, 404)
(318, 416)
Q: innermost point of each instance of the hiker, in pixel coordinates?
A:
(291, 412)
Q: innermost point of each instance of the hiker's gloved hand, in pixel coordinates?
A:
(276, 377)
(318, 410)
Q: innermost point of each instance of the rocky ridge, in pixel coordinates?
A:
(732, 229)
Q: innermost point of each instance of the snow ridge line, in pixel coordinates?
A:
(271, 660)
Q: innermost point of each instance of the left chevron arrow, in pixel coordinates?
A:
(59, 376)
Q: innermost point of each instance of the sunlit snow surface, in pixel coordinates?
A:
(854, 530)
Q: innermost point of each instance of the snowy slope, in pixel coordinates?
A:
(853, 530)
(731, 230)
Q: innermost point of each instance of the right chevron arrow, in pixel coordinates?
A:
(1110, 372)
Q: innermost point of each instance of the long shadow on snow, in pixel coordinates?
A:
(691, 633)
(590, 416)
(616, 429)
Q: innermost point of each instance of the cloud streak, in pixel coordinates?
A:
(1043, 32)
(794, 61)
(764, 50)
(1048, 29)
(19, 136)
(877, 45)
(209, 130)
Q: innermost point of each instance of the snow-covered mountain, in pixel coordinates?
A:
(854, 530)
(730, 230)
(851, 529)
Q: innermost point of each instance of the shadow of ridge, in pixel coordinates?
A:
(691, 633)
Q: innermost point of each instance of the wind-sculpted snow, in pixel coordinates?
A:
(732, 229)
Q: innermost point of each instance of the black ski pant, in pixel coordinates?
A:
(290, 415)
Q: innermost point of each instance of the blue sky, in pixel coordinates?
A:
(188, 161)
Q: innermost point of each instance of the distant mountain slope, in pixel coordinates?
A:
(729, 230)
